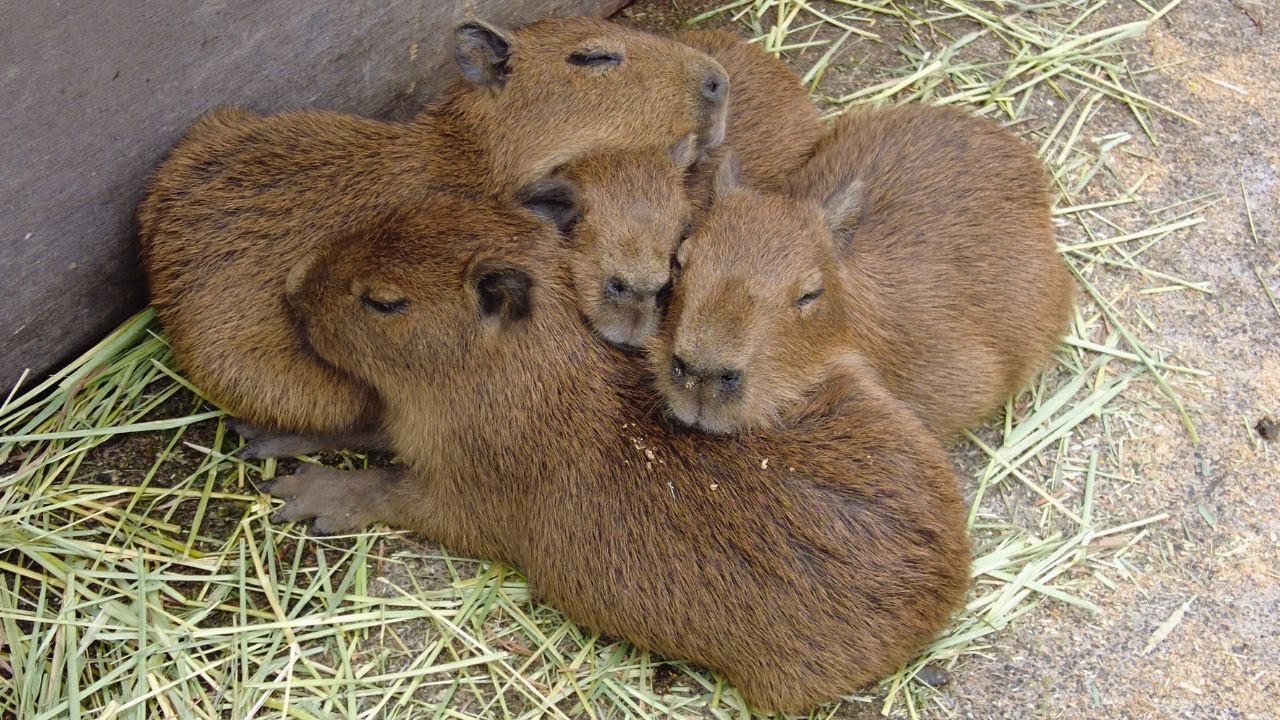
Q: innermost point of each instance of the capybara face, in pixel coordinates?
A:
(414, 296)
(614, 86)
(633, 215)
(755, 302)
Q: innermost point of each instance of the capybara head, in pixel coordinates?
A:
(429, 289)
(755, 303)
(632, 214)
(612, 86)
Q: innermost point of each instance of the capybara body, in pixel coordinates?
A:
(241, 198)
(918, 237)
(636, 207)
(801, 564)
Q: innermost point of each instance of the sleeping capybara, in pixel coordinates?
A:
(917, 237)
(636, 206)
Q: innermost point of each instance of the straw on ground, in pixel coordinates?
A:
(150, 583)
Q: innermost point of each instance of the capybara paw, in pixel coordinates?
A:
(272, 447)
(261, 443)
(332, 499)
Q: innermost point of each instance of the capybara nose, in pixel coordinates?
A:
(663, 298)
(679, 370)
(715, 91)
(730, 381)
(633, 292)
(726, 380)
(715, 87)
(615, 288)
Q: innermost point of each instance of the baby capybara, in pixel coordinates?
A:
(635, 207)
(800, 564)
(242, 197)
(918, 237)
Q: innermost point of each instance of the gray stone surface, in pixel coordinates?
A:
(93, 93)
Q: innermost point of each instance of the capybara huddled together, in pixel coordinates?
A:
(633, 319)
(525, 439)
(242, 198)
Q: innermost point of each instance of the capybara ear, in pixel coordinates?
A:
(504, 291)
(482, 52)
(296, 280)
(842, 209)
(685, 152)
(728, 175)
(554, 199)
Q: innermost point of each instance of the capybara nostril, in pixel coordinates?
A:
(663, 298)
(616, 289)
(730, 380)
(679, 370)
(715, 87)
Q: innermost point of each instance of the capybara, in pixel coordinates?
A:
(801, 563)
(918, 237)
(636, 206)
(241, 198)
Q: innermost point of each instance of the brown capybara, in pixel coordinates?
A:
(636, 207)
(242, 197)
(800, 564)
(919, 237)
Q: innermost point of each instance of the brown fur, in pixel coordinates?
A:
(242, 197)
(800, 564)
(637, 206)
(928, 231)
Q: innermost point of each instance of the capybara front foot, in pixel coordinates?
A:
(336, 501)
(263, 443)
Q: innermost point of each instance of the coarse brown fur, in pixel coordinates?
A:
(919, 237)
(242, 197)
(773, 126)
(637, 206)
(801, 564)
